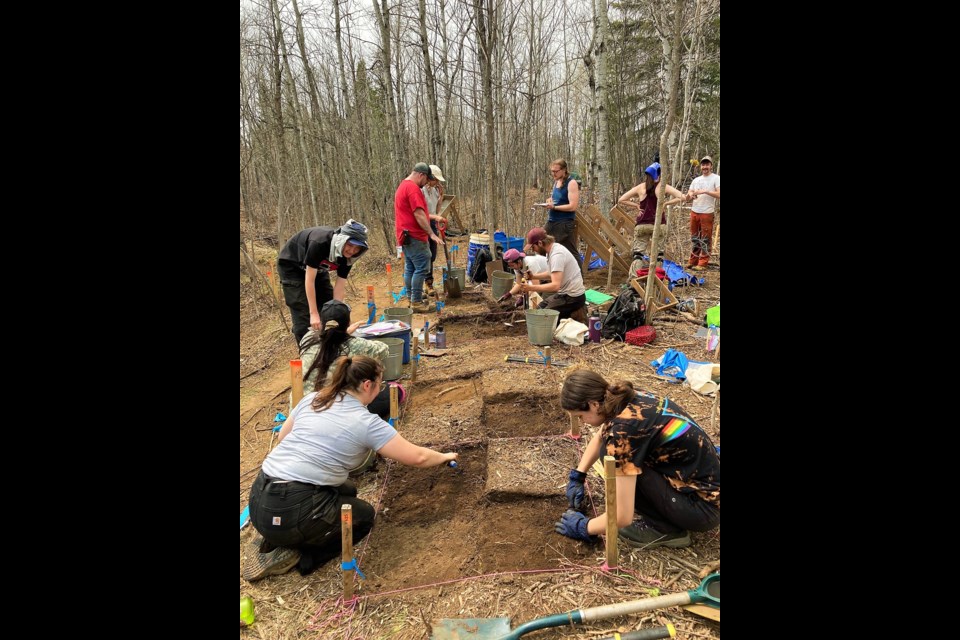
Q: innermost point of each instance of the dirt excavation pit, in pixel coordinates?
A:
(435, 524)
(529, 467)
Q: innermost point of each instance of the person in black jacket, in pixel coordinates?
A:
(304, 265)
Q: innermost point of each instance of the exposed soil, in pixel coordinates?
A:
(441, 524)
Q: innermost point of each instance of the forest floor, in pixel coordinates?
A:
(477, 541)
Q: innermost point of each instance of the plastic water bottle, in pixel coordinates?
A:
(441, 338)
(594, 326)
(246, 611)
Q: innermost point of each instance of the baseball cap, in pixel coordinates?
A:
(706, 159)
(356, 233)
(424, 168)
(535, 235)
(337, 311)
(437, 174)
(512, 255)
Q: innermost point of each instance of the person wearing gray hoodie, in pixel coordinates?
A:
(304, 265)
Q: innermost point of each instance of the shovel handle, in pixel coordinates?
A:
(634, 606)
(653, 633)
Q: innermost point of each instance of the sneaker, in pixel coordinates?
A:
(646, 537)
(259, 545)
(275, 563)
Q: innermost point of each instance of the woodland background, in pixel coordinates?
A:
(340, 98)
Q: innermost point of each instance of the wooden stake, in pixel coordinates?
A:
(610, 481)
(546, 359)
(413, 355)
(394, 405)
(346, 555)
(371, 305)
(296, 382)
(390, 281)
(610, 270)
(574, 426)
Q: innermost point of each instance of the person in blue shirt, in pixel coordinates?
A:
(562, 208)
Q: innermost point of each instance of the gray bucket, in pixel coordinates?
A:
(395, 345)
(460, 275)
(394, 366)
(502, 283)
(541, 323)
(404, 314)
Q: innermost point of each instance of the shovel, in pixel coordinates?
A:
(451, 285)
(499, 628)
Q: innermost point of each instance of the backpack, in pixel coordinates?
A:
(576, 176)
(627, 313)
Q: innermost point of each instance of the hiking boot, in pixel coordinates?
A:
(700, 267)
(429, 290)
(422, 307)
(275, 563)
(644, 536)
(691, 264)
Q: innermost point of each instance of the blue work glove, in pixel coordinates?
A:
(573, 524)
(575, 488)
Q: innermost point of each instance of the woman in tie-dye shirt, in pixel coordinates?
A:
(668, 470)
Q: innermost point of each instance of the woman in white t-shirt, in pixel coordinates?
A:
(295, 501)
(523, 266)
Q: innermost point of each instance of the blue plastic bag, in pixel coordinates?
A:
(672, 364)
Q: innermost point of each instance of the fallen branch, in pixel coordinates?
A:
(449, 389)
(251, 417)
(247, 375)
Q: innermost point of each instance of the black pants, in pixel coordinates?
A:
(381, 404)
(668, 510)
(563, 232)
(295, 295)
(307, 517)
(565, 304)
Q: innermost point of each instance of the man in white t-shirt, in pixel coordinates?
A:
(566, 281)
(704, 191)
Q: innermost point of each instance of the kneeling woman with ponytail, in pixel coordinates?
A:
(668, 470)
(295, 501)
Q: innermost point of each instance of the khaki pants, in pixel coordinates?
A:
(642, 241)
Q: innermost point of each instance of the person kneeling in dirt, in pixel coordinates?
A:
(566, 281)
(318, 350)
(668, 470)
(295, 500)
(524, 267)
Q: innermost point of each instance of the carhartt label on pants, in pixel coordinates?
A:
(276, 521)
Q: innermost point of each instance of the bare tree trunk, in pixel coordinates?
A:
(486, 36)
(436, 140)
(345, 96)
(598, 78)
(383, 21)
(294, 111)
(671, 42)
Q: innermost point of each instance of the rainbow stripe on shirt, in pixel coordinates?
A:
(674, 429)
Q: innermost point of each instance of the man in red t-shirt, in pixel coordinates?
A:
(414, 233)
